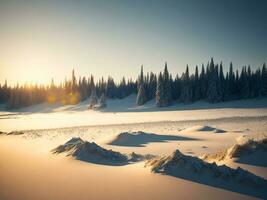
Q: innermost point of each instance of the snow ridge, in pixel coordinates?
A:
(181, 165)
(91, 152)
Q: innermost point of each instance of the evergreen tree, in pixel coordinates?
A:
(73, 82)
(141, 95)
(244, 84)
(176, 88)
(110, 88)
(264, 80)
(152, 86)
(213, 95)
(231, 84)
(203, 85)
(196, 86)
(221, 84)
(167, 86)
(160, 91)
(93, 99)
(210, 84)
(102, 101)
(187, 93)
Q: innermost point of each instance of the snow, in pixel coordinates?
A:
(205, 129)
(193, 168)
(125, 111)
(252, 151)
(30, 133)
(93, 153)
(140, 138)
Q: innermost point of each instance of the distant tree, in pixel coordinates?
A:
(264, 80)
(210, 84)
(221, 84)
(93, 100)
(231, 84)
(187, 93)
(83, 89)
(203, 83)
(244, 84)
(141, 95)
(196, 86)
(160, 91)
(122, 89)
(176, 87)
(73, 82)
(102, 101)
(213, 94)
(167, 86)
(110, 88)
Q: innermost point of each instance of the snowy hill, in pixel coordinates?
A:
(252, 151)
(91, 152)
(193, 168)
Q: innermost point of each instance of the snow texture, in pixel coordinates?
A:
(91, 152)
(193, 168)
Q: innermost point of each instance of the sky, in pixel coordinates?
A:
(40, 40)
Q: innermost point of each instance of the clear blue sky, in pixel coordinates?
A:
(44, 39)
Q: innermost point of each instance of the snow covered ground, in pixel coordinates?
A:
(29, 170)
(125, 111)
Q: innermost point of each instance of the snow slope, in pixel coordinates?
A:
(193, 168)
(91, 152)
(253, 151)
(124, 111)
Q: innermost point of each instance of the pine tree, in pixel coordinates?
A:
(202, 80)
(264, 80)
(160, 91)
(83, 89)
(110, 88)
(176, 88)
(93, 99)
(221, 84)
(73, 82)
(196, 85)
(141, 95)
(187, 93)
(244, 83)
(102, 101)
(152, 86)
(213, 95)
(231, 83)
(166, 87)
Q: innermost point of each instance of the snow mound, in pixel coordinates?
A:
(140, 139)
(2, 133)
(205, 129)
(15, 133)
(249, 147)
(193, 168)
(237, 151)
(126, 137)
(91, 152)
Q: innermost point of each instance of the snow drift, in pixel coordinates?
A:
(205, 129)
(91, 152)
(195, 169)
(140, 138)
(12, 133)
(242, 152)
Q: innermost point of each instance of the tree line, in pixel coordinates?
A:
(208, 83)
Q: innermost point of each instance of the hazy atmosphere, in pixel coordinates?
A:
(45, 39)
